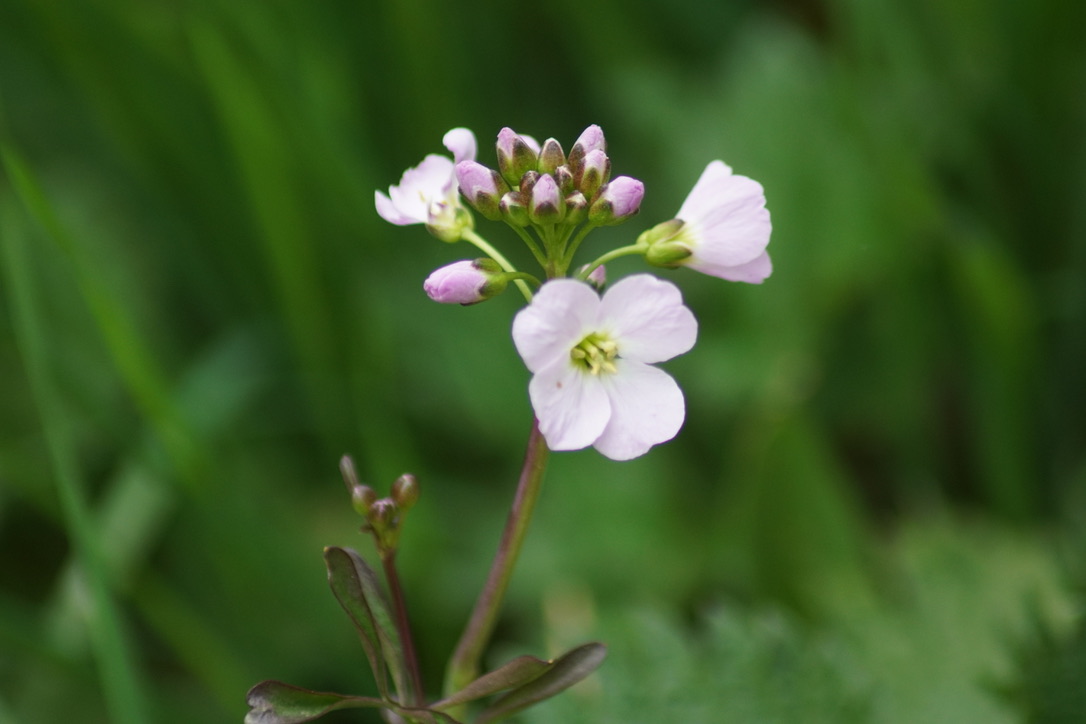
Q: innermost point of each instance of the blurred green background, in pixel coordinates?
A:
(873, 513)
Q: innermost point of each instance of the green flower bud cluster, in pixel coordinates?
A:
(384, 516)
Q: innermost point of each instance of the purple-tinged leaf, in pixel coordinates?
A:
(517, 672)
(562, 673)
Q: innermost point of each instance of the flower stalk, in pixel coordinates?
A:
(464, 666)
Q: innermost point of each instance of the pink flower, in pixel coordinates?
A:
(593, 381)
(725, 226)
(427, 194)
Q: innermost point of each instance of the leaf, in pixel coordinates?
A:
(358, 590)
(519, 671)
(562, 673)
(346, 570)
(273, 702)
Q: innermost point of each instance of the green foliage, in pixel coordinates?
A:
(200, 312)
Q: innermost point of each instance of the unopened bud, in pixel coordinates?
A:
(593, 173)
(551, 156)
(564, 177)
(514, 209)
(546, 205)
(363, 498)
(517, 154)
(597, 278)
(405, 492)
(465, 282)
(482, 187)
(591, 139)
(618, 200)
(576, 208)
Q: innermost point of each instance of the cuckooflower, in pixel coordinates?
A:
(593, 381)
(427, 193)
(724, 231)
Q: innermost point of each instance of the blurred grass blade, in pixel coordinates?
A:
(564, 672)
(143, 376)
(121, 682)
(517, 672)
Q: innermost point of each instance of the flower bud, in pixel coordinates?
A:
(597, 278)
(405, 492)
(617, 201)
(593, 173)
(482, 187)
(363, 498)
(551, 156)
(576, 208)
(465, 282)
(514, 208)
(517, 154)
(591, 139)
(564, 177)
(546, 205)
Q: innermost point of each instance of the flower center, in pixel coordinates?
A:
(595, 353)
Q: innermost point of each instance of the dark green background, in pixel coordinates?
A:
(873, 512)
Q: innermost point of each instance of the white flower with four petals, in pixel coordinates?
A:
(593, 381)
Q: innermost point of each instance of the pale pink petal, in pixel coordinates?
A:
(461, 144)
(561, 313)
(388, 211)
(647, 408)
(726, 220)
(703, 197)
(647, 317)
(753, 272)
(571, 405)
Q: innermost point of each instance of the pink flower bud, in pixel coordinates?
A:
(593, 173)
(517, 155)
(546, 205)
(618, 201)
(551, 156)
(465, 282)
(591, 139)
(482, 187)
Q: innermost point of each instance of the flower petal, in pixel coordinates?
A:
(571, 405)
(753, 272)
(727, 222)
(461, 144)
(388, 211)
(647, 408)
(561, 313)
(647, 318)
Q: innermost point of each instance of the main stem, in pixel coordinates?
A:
(464, 664)
(399, 604)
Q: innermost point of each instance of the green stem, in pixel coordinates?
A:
(484, 246)
(613, 254)
(464, 665)
(399, 603)
(571, 248)
(534, 247)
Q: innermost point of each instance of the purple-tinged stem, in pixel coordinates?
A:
(464, 665)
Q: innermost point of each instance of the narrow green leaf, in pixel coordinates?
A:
(359, 591)
(517, 672)
(346, 570)
(273, 702)
(563, 672)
